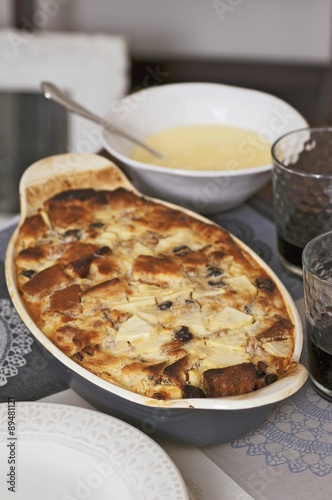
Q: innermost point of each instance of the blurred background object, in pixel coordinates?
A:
(91, 67)
(275, 46)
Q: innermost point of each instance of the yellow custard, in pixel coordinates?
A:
(206, 147)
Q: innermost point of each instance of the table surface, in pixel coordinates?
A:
(287, 456)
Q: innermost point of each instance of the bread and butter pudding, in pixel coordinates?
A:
(150, 297)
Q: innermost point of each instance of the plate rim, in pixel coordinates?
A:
(77, 414)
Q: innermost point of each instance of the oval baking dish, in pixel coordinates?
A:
(197, 421)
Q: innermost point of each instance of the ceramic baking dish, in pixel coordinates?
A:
(198, 422)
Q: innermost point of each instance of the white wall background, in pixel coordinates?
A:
(273, 30)
(5, 13)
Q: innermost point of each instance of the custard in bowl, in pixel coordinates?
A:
(238, 127)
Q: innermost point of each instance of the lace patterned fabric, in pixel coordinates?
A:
(15, 342)
(297, 433)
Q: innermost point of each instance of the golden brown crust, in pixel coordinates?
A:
(31, 230)
(45, 282)
(151, 298)
(230, 381)
(66, 301)
(156, 270)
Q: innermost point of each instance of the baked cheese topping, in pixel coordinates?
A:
(151, 298)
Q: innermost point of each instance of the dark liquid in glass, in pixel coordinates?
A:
(320, 358)
(291, 253)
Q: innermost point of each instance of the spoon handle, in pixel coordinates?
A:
(52, 92)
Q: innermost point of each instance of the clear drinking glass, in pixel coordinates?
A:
(317, 280)
(302, 184)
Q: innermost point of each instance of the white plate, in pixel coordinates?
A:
(68, 453)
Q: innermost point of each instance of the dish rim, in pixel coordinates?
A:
(293, 380)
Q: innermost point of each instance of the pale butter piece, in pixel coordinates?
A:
(241, 284)
(133, 329)
(151, 314)
(105, 239)
(123, 231)
(229, 318)
(232, 339)
(151, 347)
(281, 348)
(207, 293)
(44, 215)
(140, 249)
(142, 300)
(176, 294)
(219, 358)
(177, 239)
(145, 290)
(194, 321)
(195, 376)
(144, 309)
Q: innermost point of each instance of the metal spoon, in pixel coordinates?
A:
(50, 91)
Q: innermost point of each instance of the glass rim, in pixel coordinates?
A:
(305, 263)
(288, 168)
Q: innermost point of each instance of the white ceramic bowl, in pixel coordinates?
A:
(158, 108)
